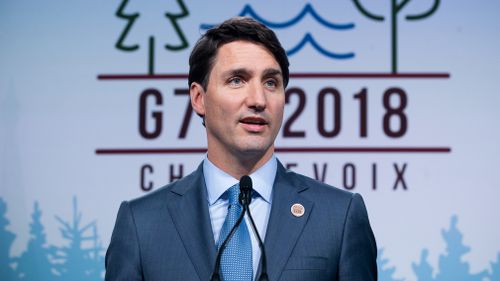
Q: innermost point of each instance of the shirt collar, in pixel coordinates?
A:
(218, 181)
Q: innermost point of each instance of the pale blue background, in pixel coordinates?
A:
(54, 113)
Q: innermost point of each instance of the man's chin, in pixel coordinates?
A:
(255, 150)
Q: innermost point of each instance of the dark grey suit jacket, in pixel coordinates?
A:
(167, 235)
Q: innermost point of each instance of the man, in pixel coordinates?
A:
(313, 232)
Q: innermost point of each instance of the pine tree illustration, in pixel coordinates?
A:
(96, 256)
(131, 18)
(384, 273)
(396, 8)
(81, 260)
(6, 239)
(495, 273)
(424, 269)
(34, 264)
(451, 266)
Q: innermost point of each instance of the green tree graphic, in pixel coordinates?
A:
(34, 264)
(81, 260)
(131, 18)
(395, 10)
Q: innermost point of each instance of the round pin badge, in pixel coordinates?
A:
(297, 210)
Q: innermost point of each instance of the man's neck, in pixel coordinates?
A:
(238, 166)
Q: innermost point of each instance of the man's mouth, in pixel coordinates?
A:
(253, 121)
(254, 124)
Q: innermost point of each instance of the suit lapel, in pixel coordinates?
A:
(189, 211)
(284, 229)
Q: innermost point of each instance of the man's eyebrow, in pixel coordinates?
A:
(272, 72)
(244, 72)
(237, 72)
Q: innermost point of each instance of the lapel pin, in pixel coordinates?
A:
(298, 210)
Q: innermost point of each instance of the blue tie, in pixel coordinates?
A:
(236, 263)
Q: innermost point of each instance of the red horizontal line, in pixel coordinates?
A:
(298, 75)
(149, 150)
(414, 75)
(364, 149)
(129, 151)
(142, 76)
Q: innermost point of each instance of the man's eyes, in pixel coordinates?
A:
(238, 81)
(271, 83)
(235, 81)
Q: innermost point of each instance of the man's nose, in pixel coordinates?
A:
(256, 96)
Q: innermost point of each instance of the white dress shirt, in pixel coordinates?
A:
(218, 181)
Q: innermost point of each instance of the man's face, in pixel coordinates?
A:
(244, 100)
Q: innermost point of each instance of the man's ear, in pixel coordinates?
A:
(197, 95)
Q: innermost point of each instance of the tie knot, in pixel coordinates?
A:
(233, 193)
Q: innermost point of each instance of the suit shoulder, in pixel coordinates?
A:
(161, 195)
(320, 189)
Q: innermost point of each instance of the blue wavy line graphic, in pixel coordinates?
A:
(248, 10)
(308, 9)
(308, 38)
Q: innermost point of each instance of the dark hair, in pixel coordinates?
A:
(204, 52)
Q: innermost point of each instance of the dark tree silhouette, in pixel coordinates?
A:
(495, 272)
(34, 264)
(451, 266)
(384, 273)
(423, 270)
(6, 240)
(81, 260)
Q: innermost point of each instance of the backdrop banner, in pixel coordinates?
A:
(396, 100)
